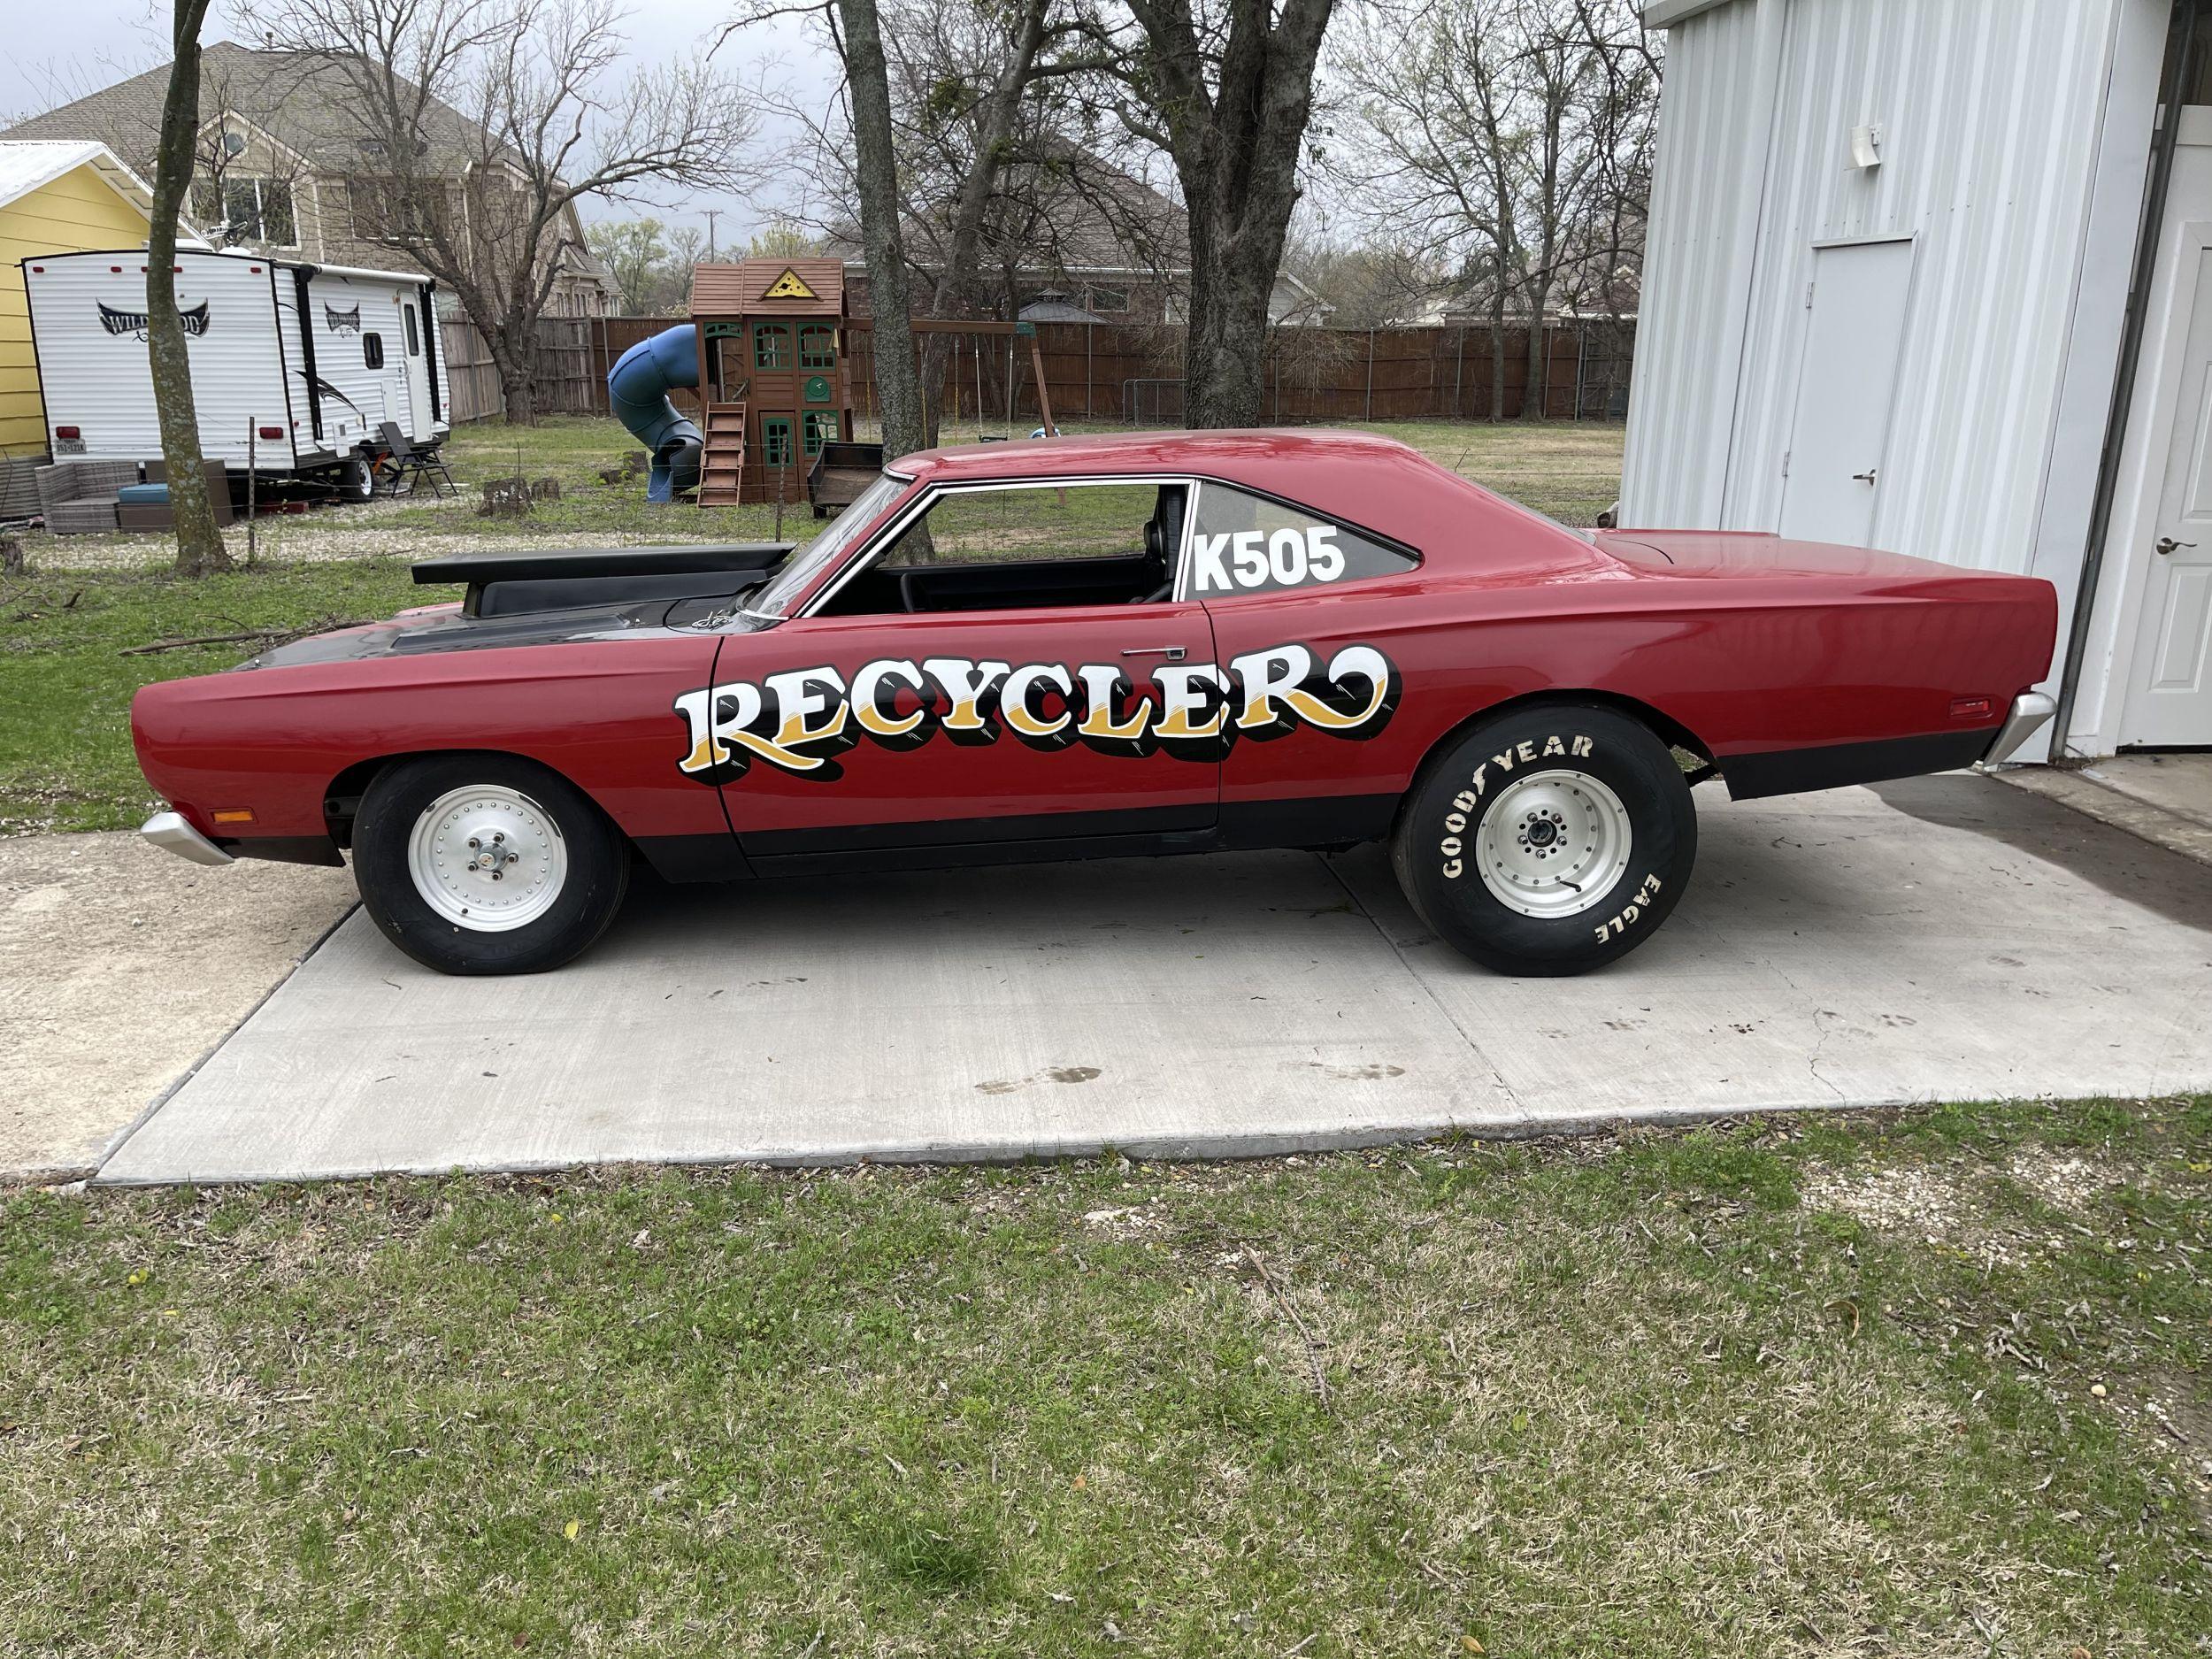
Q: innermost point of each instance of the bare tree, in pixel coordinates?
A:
(200, 548)
(1507, 140)
(966, 77)
(1226, 92)
(634, 252)
(483, 123)
(970, 126)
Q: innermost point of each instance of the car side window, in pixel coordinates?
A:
(1244, 543)
(1021, 547)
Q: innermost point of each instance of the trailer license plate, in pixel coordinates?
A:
(69, 446)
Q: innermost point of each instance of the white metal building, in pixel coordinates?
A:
(1936, 276)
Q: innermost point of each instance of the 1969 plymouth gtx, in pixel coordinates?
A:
(1084, 648)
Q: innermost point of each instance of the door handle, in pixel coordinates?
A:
(1171, 653)
(1866, 477)
(2167, 544)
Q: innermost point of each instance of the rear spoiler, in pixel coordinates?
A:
(511, 584)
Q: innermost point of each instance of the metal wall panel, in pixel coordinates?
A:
(1704, 212)
(1993, 112)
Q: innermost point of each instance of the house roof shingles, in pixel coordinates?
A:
(298, 98)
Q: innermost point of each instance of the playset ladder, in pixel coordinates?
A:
(722, 455)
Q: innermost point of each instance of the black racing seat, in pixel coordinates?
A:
(1162, 535)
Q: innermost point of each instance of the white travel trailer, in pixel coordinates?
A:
(296, 366)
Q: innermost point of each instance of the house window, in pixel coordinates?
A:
(771, 346)
(389, 209)
(821, 428)
(817, 347)
(248, 210)
(373, 350)
(1104, 300)
(775, 440)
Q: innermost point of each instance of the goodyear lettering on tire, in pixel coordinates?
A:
(1526, 752)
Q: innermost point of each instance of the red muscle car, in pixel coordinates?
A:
(1089, 648)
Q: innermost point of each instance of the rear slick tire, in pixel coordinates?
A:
(486, 864)
(1548, 841)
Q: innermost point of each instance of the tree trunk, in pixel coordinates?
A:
(1497, 360)
(200, 548)
(1536, 400)
(1224, 361)
(1236, 151)
(875, 167)
(517, 384)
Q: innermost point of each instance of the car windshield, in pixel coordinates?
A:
(775, 600)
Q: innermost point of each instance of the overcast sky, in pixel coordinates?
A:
(58, 52)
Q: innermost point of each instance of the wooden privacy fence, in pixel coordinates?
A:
(1104, 372)
(567, 384)
(1099, 371)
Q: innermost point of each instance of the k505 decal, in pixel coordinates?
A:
(799, 720)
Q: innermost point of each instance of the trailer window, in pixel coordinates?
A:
(414, 340)
(373, 350)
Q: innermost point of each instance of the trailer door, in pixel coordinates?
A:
(422, 424)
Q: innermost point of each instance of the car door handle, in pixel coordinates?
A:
(2167, 544)
(1172, 653)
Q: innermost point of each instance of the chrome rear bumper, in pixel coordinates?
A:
(2030, 710)
(169, 831)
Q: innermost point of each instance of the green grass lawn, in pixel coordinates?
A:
(65, 760)
(1933, 1385)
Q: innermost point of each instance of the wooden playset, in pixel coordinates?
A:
(775, 383)
(775, 386)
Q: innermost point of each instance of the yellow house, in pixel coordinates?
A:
(65, 196)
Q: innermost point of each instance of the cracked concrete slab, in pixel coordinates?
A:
(1941, 939)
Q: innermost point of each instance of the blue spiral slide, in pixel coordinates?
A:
(638, 388)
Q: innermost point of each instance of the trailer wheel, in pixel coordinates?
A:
(1549, 841)
(486, 864)
(356, 481)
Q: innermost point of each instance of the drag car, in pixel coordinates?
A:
(1090, 647)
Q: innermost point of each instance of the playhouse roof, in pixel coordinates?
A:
(750, 287)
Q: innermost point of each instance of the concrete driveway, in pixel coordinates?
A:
(1946, 938)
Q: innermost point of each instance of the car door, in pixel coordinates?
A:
(1313, 619)
(998, 666)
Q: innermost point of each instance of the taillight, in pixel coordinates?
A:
(273, 432)
(67, 431)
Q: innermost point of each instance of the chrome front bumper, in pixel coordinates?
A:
(2030, 710)
(169, 831)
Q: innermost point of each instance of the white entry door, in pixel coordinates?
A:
(412, 328)
(1847, 387)
(2170, 691)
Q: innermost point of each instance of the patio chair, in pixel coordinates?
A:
(404, 460)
